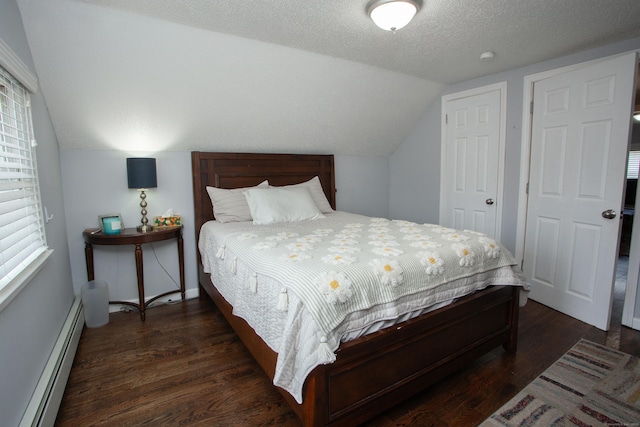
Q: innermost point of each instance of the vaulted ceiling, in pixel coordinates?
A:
(442, 44)
(283, 75)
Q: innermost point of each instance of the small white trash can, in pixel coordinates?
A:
(95, 300)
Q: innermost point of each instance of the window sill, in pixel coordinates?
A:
(10, 291)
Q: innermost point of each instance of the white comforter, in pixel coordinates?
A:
(305, 286)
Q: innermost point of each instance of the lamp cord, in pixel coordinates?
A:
(163, 269)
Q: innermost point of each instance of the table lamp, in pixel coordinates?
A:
(141, 175)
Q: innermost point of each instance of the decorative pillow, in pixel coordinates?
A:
(231, 205)
(273, 205)
(315, 188)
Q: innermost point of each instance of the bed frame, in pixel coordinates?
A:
(377, 371)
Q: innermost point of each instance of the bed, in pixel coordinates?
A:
(376, 371)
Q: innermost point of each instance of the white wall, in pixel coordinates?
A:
(30, 324)
(362, 185)
(95, 183)
(414, 172)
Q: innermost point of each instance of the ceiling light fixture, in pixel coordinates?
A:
(637, 116)
(487, 56)
(391, 15)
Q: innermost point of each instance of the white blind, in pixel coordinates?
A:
(22, 236)
(633, 164)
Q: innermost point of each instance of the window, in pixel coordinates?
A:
(633, 165)
(22, 236)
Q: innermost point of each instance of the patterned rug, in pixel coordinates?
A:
(591, 385)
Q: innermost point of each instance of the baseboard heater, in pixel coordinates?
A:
(45, 402)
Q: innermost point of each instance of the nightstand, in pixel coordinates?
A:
(130, 236)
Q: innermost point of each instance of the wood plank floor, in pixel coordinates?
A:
(185, 366)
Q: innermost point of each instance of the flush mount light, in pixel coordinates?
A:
(487, 56)
(637, 116)
(391, 15)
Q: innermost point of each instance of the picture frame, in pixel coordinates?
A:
(111, 223)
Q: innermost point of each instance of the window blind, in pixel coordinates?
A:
(22, 236)
(633, 164)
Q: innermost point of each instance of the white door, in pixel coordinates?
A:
(472, 160)
(579, 142)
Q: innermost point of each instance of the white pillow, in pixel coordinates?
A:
(273, 205)
(315, 188)
(231, 205)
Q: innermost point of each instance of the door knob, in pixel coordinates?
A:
(609, 214)
(489, 201)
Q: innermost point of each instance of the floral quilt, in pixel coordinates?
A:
(359, 264)
(294, 282)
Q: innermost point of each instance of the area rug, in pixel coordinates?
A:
(591, 385)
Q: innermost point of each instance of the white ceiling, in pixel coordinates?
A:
(443, 43)
(282, 75)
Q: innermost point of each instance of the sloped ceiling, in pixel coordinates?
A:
(282, 75)
(442, 44)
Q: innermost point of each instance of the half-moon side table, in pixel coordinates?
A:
(130, 236)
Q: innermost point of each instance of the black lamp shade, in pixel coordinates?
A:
(141, 172)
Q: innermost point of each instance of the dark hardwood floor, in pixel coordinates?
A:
(185, 366)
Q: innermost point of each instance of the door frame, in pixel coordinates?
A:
(502, 88)
(633, 279)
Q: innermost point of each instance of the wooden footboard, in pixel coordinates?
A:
(375, 372)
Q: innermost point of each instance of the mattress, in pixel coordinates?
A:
(267, 272)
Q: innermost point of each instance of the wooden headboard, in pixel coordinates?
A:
(234, 170)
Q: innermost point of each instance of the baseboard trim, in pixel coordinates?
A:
(45, 401)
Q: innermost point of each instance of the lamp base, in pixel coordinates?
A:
(144, 228)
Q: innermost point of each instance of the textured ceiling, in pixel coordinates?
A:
(443, 43)
(282, 75)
